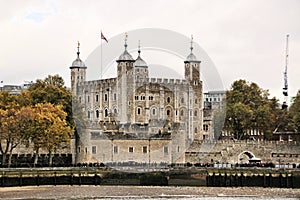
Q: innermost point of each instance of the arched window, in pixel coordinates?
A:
(195, 113)
(139, 111)
(97, 114)
(115, 111)
(181, 113)
(89, 114)
(195, 130)
(182, 100)
(106, 113)
(153, 111)
(168, 112)
(168, 99)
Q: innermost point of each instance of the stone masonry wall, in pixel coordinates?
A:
(229, 151)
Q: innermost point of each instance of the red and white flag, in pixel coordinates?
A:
(103, 37)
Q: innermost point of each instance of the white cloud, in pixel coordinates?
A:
(245, 39)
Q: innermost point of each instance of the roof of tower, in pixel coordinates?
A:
(78, 62)
(139, 62)
(191, 57)
(125, 56)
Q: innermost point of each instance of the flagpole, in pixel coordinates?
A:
(101, 59)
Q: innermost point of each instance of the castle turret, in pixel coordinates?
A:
(192, 66)
(141, 69)
(78, 72)
(126, 79)
(194, 105)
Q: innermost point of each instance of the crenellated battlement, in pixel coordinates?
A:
(168, 81)
(98, 82)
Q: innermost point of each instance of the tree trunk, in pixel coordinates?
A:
(36, 157)
(3, 159)
(4, 152)
(9, 158)
(50, 159)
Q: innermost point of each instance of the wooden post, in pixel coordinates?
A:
(20, 179)
(270, 180)
(286, 180)
(79, 178)
(37, 178)
(264, 180)
(71, 178)
(2, 179)
(54, 178)
(242, 176)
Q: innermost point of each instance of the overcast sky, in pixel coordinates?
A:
(244, 39)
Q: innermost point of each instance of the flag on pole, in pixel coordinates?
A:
(103, 37)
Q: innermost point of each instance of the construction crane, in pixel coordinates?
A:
(285, 88)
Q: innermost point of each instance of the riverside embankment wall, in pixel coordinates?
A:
(172, 177)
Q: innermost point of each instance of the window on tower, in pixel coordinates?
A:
(139, 111)
(145, 149)
(153, 111)
(115, 149)
(130, 149)
(182, 113)
(182, 100)
(94, 149)
(166, 149)
(168, 99)
(205, 127)
(168, 112)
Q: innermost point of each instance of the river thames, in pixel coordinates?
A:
(145, 192)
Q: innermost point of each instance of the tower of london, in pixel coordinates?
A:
(137, 118)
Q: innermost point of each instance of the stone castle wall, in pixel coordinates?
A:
(229, 151)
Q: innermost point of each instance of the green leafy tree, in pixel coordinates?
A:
(295, 112)
(248, 107)
(52, 90)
